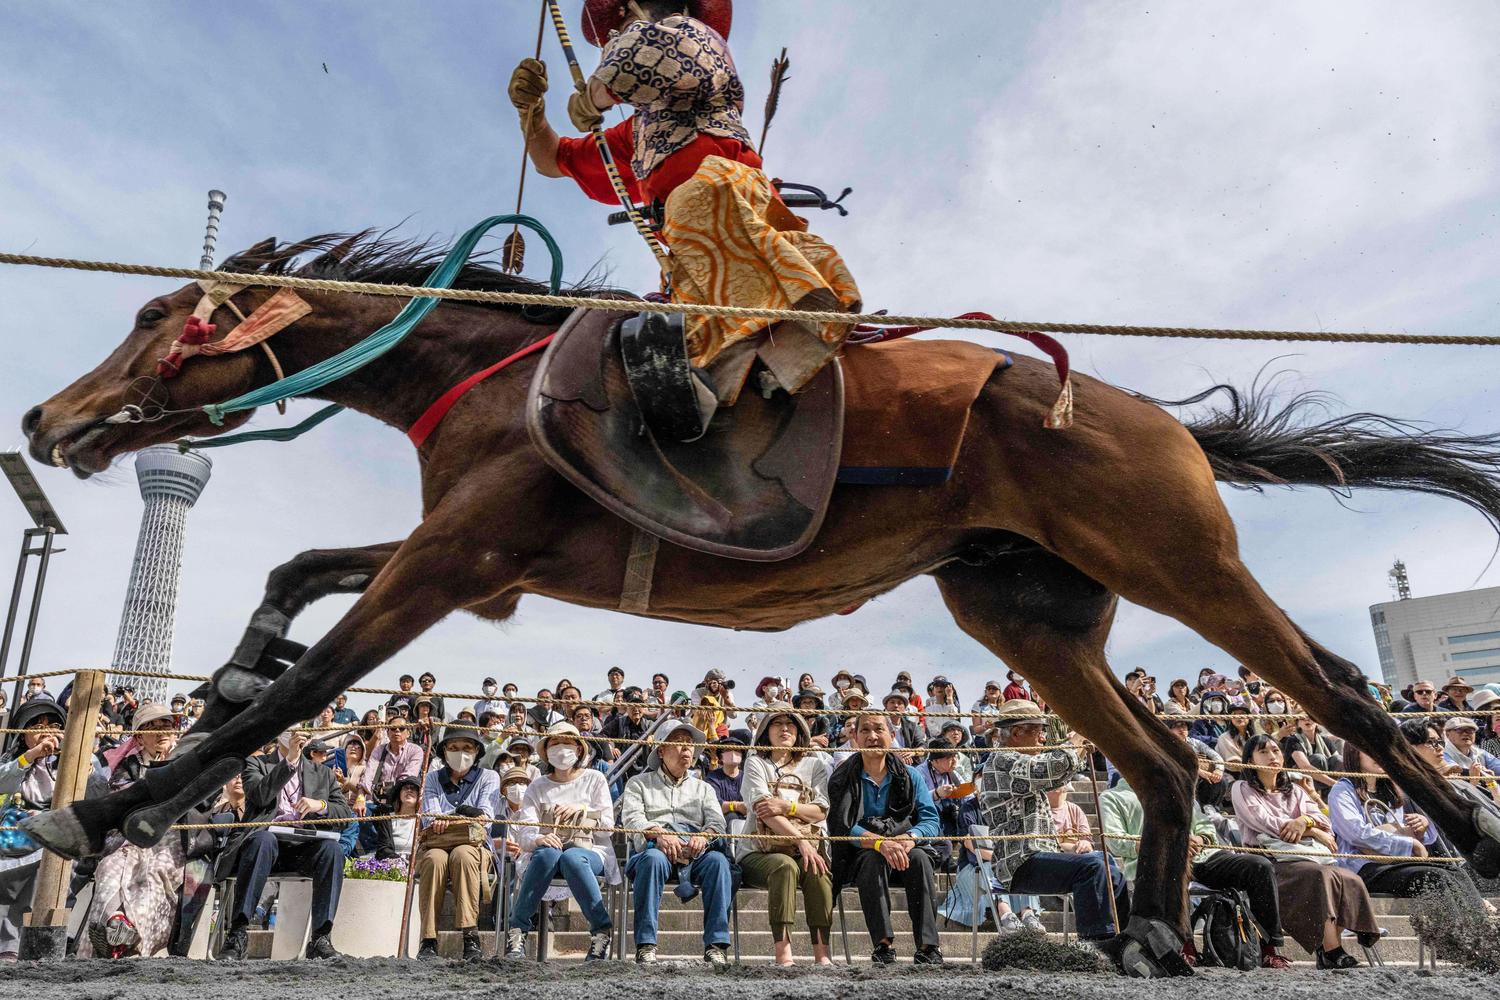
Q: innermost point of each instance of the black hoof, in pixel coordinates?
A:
(146, 826)
(1150, 949)
(59, 831)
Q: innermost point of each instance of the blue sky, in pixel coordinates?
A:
(1331, 165)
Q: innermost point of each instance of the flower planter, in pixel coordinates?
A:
(368, 924)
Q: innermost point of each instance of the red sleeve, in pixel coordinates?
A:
(579, 159)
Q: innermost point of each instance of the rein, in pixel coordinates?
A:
(429, 420)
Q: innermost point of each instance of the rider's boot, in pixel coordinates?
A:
(676, 400)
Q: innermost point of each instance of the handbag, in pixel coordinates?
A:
(457, 833)
(791, 788)
(1307, 850)
(574, 825)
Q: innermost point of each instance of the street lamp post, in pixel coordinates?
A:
(35, 541)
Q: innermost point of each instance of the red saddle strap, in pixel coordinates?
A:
(429, 420)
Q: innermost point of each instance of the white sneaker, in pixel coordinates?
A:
(515, 943)
(645, 954)
(1032, 922)
(599, 946)
(1010, 924)
(717, 955)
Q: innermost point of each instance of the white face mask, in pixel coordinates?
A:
(515, 793)
(1276, 707)
(772, 690)
(841, 683)
(489, 690)
(730, 760)
(460, 760)
(562, 758)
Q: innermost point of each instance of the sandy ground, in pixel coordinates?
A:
(164, 979)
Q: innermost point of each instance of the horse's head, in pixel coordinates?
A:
(74, 429)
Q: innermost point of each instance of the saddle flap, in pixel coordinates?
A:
(755, 486)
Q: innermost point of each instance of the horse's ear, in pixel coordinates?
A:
(252, 258)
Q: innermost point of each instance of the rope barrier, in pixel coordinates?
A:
(745, 312)
(736, 710)
(766, 835)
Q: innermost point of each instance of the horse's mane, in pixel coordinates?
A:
(376, 257)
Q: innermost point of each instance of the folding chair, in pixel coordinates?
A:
(844, 929)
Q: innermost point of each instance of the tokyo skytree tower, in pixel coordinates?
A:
(171, 482)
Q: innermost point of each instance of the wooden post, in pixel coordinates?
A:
(411, 859)
(45, 935)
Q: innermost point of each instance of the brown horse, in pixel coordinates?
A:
(1033, 541)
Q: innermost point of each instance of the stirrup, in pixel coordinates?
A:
(676, 401)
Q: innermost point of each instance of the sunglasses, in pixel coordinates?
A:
(1434, 744)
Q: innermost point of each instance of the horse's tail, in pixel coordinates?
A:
(1257, 440)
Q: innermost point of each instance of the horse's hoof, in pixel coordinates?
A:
(1151, 949)
(146, 826)
(59, 831)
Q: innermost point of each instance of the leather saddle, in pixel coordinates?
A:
(755, 486)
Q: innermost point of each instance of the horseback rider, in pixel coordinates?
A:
(686, 155)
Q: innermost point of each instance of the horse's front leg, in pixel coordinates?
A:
(264, 653)
(436, 571)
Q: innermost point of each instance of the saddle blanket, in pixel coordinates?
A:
(906, 408)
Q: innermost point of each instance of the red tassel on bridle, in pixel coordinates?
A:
(195, 331)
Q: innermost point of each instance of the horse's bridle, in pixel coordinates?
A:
(275, 314)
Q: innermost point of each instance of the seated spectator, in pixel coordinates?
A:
(1208, 731)
(322, 725)
(342, 713)
(602, 751)
(571, 799)
(659, 695)
(36, 689)
(683, 822)
(1460, 747)
(427, 683)
(394, 838)
(1012, 799)
(370, 732)
(1121, 816)
(1070, 822)
(1371, 815)
(982, 712)
(397, 758)
(715, 683)
(1312, 751)
(885, 803)
(425, 727)
(491, 702)
(1015, 688)
(1318, 897)
(543, 715)
(455, 854)
(513, 784)
(568, 698)
(786, 796)
(616, 679)
(285, 787)
(1424, 698)
(707, 718)
(521, 750)
(810, 700)
(1455, 695)
(405, 697)
(1241, 726)
(137, 890)
(955, 734)
(29, 768)
(724, 778)
(905, 732)
(841, 680)
(941, 706)
(956, 803)
(630, 724)
(1212, 790)
(769, 691)
(1487, 704)
(515, 717)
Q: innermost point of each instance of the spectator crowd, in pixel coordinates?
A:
(794, 789)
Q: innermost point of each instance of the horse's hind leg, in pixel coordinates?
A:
(264, 653)
(1049, 621)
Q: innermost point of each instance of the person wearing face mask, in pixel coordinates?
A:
(491, 702)
(725, 778)
(454, 853)
(769, 690)
(555, 830)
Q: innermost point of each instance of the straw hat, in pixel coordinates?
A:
(1019, 712)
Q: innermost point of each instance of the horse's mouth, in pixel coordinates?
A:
(83, 452)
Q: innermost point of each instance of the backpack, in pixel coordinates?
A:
(1231, 938)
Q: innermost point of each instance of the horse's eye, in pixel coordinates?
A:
(149, 316)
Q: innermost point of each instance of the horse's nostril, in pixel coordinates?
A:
(31, 421)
